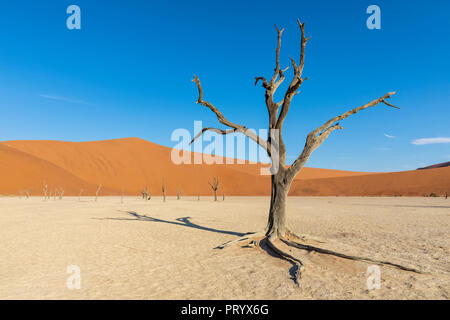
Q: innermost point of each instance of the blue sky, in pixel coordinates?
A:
(127, 73)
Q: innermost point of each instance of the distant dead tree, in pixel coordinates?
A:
(214, 186)
(179, 194)
(276, 235)
(446, 195)
(223, 196)
(20, 194)
(80, 194)
(45, 191)
(145, 193)
(97, 192)
(27, 193)
(121, 196)
(163, 188)
(60, 193)
(198, 197)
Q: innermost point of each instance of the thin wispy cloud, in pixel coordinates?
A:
(423, 141)
(64, 99)
(389, 136)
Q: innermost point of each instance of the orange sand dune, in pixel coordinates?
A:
(133, 163)
(20, 171)
(406, 183)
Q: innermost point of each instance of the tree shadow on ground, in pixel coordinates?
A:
(185, 222)
(405, 206)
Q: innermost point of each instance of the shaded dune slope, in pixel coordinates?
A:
(22, 171)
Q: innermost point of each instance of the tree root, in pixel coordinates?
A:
(298, 265)
(291, 234)
(269, 243)
(345, 256)
(247, 236)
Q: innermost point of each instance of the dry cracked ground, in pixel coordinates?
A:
(154, 250)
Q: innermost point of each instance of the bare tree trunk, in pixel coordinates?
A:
(276, 224)
(79, 195)
(121, 196)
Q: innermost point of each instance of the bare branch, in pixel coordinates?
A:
(349, 113)
(277, 58)
(215, 184)
(296, 80)
(294, 64)
(216, 130)
(303, 42)
(390, 105)
(276, 80)
(216, 111)
(264, 82)
(237, 127)
(317, 137)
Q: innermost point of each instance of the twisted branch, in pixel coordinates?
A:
(216, 130)
(237, 127)
(316, 137)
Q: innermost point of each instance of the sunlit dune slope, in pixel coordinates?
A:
(405, 183)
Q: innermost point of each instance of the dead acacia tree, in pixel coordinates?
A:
(60, 193)
(145, 193)
(97, 192)
(276, 236)
(45, 191)
(163, 189)
(80, 194)
(214, 186)
(179, 194)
